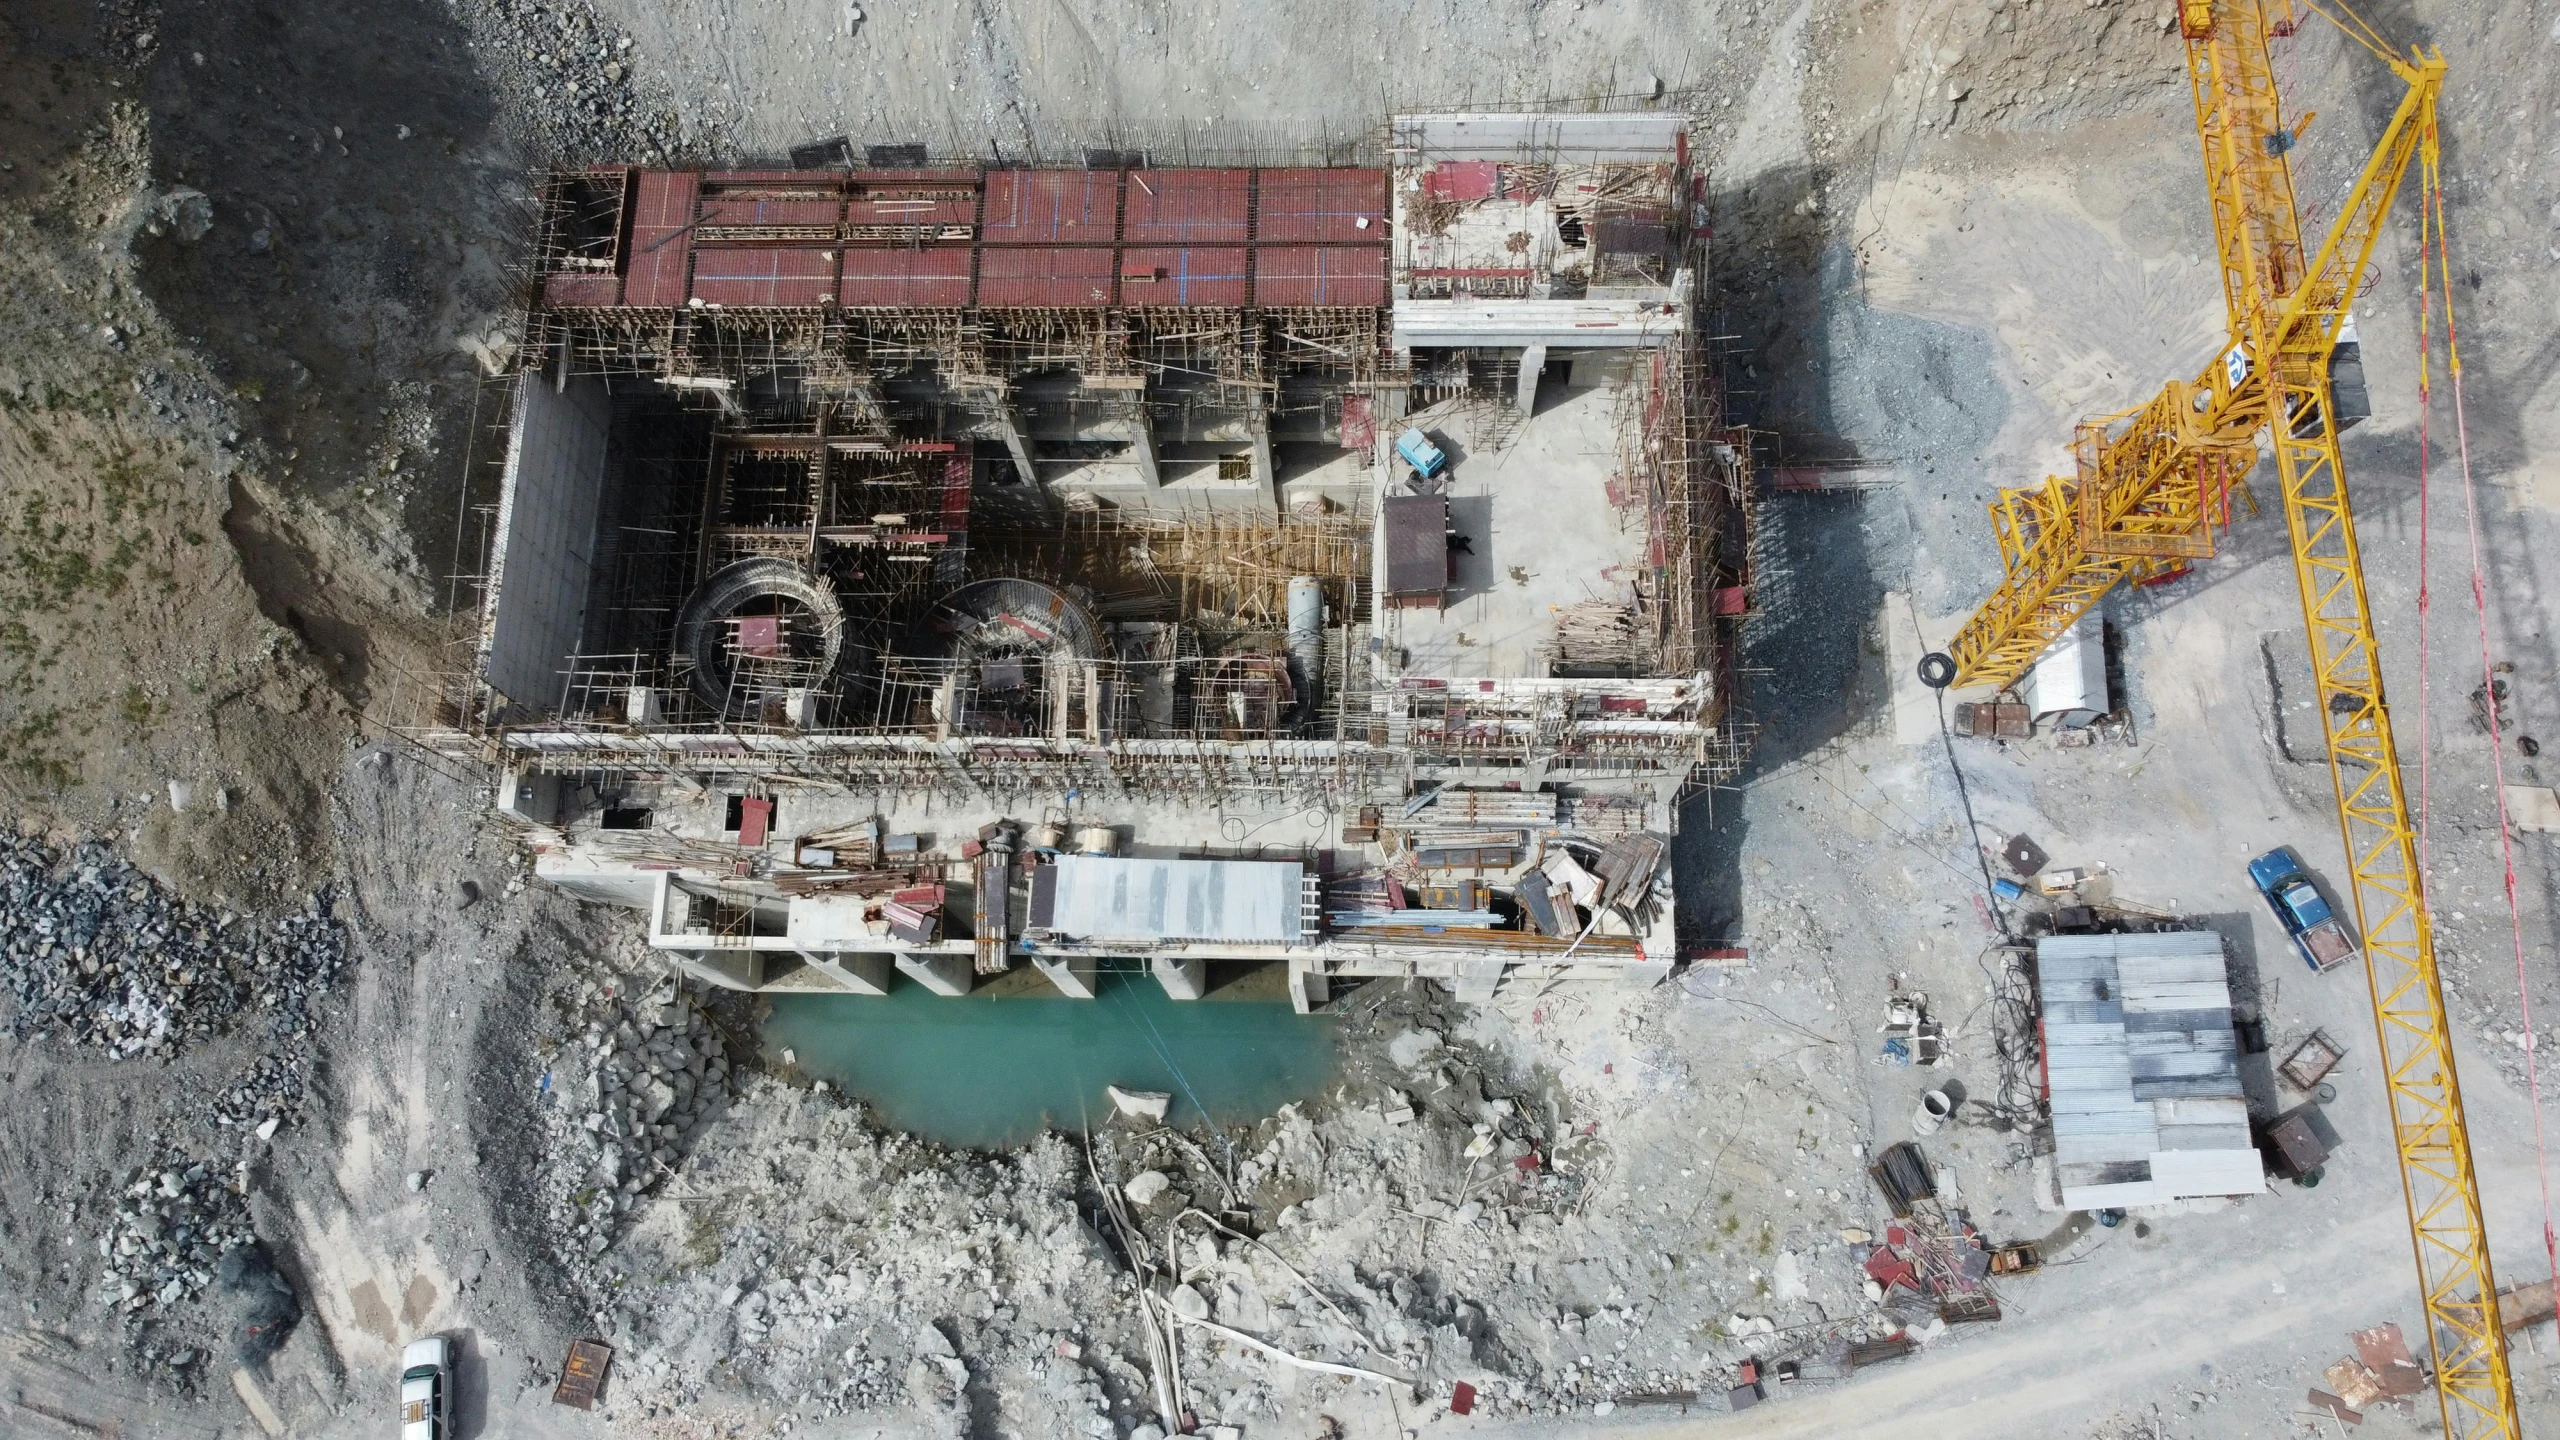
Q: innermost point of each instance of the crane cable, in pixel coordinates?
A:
(2432, 234)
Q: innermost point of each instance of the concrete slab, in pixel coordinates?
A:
(948, 975)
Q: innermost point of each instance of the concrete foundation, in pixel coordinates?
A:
(946, 975)
(1181, 979)
(855, 974)
(1309, 987)
(1074, 976)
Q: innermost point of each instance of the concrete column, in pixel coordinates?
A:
(1142, 445)
(1016, 443)
(1266, 474)
(728, 969)
(1533, 363)
(1181, 979)
(945, 975)
(1073, 975)
(854, 973)
(1474, 981)
(1309, 987)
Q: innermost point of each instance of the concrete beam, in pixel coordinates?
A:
(946, 975)
(1645, 974)
(728, 969)
(1075, 976)
(1181, 979)
(1266, 474)
(1310, 989)
(856, 974)
(1533, 363)
(1017, 442)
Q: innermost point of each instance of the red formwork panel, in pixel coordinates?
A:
(797, 179)
(661, 252)
(1319, 275)
(1062, 278)
(750, 207)
(913, 197)
(1321, 206)
(877, 279)
(1186, 207)
(1191, 275)
(1051, 207)
(583, 291)
(763, 275)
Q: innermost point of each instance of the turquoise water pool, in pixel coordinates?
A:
(996, 1067)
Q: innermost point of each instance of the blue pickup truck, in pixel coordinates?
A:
(1427, 459)
(2316, 930)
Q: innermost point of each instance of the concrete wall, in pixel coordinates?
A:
(544, 554)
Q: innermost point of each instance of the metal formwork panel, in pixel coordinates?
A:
(773, 276)
(1187, 207)
(937, 277)
(1344, 275)
(1194, 275)
(1321, 206)
(1071, 278)
(1051, 207)
(661, 254)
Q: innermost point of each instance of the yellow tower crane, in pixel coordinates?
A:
(2149, 487)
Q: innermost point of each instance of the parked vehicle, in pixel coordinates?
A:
(426, 1389)
(1417, 451)
(2016, 1259)
(2316, 930)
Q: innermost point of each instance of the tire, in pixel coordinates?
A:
(1937, 670)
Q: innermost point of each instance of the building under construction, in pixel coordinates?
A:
(946, 568)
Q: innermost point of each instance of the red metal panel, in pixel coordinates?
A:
(1050, 207)
(1062, 278)
(586, 290)
(1464, 180)
(1319, 275)
(1192, 276)
(752, 209)
(914, 197)
(1316, 206)
(764, 275)
(1186, 207)
(828, 179)
(879, 278)
(662, 216)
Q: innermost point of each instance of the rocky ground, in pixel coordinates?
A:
(264, 980)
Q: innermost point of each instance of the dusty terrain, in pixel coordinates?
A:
(256, 262)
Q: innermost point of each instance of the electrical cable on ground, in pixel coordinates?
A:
(1973, 828)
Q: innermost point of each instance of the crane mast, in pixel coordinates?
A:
(2149, 487)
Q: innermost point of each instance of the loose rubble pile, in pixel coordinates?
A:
(646, 1074)
(577, 81)
(175, 1223)
(100, 954)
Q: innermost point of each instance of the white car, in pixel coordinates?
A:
(426, 1389)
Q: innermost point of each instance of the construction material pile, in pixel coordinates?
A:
(100, 954)
(648, 1071)
(172, 1228)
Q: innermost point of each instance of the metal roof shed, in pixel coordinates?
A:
(1111, 898)
(2142, 1070)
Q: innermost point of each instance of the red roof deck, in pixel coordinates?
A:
(1321, 206)
(894, 279)
(1187, 207)
(662, 216)
(1051, 207)
(1319, 275)
(767, 276)
(1191, 276)
(1079, 278)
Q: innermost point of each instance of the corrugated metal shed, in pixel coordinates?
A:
(1186, 207)
(1045, 277)
(895, 278)
(1051, 207)
(1319, 275)
(1190, 276)
(765, 276)
(1417, 545)
(1321, 206)
(662, 212)
(2142, 1070)
(1119, 898)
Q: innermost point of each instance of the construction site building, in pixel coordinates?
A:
(944, 567)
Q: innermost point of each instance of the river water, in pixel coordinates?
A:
(997, 1066)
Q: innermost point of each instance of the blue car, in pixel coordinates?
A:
(2300, 908)
(1426, 458)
